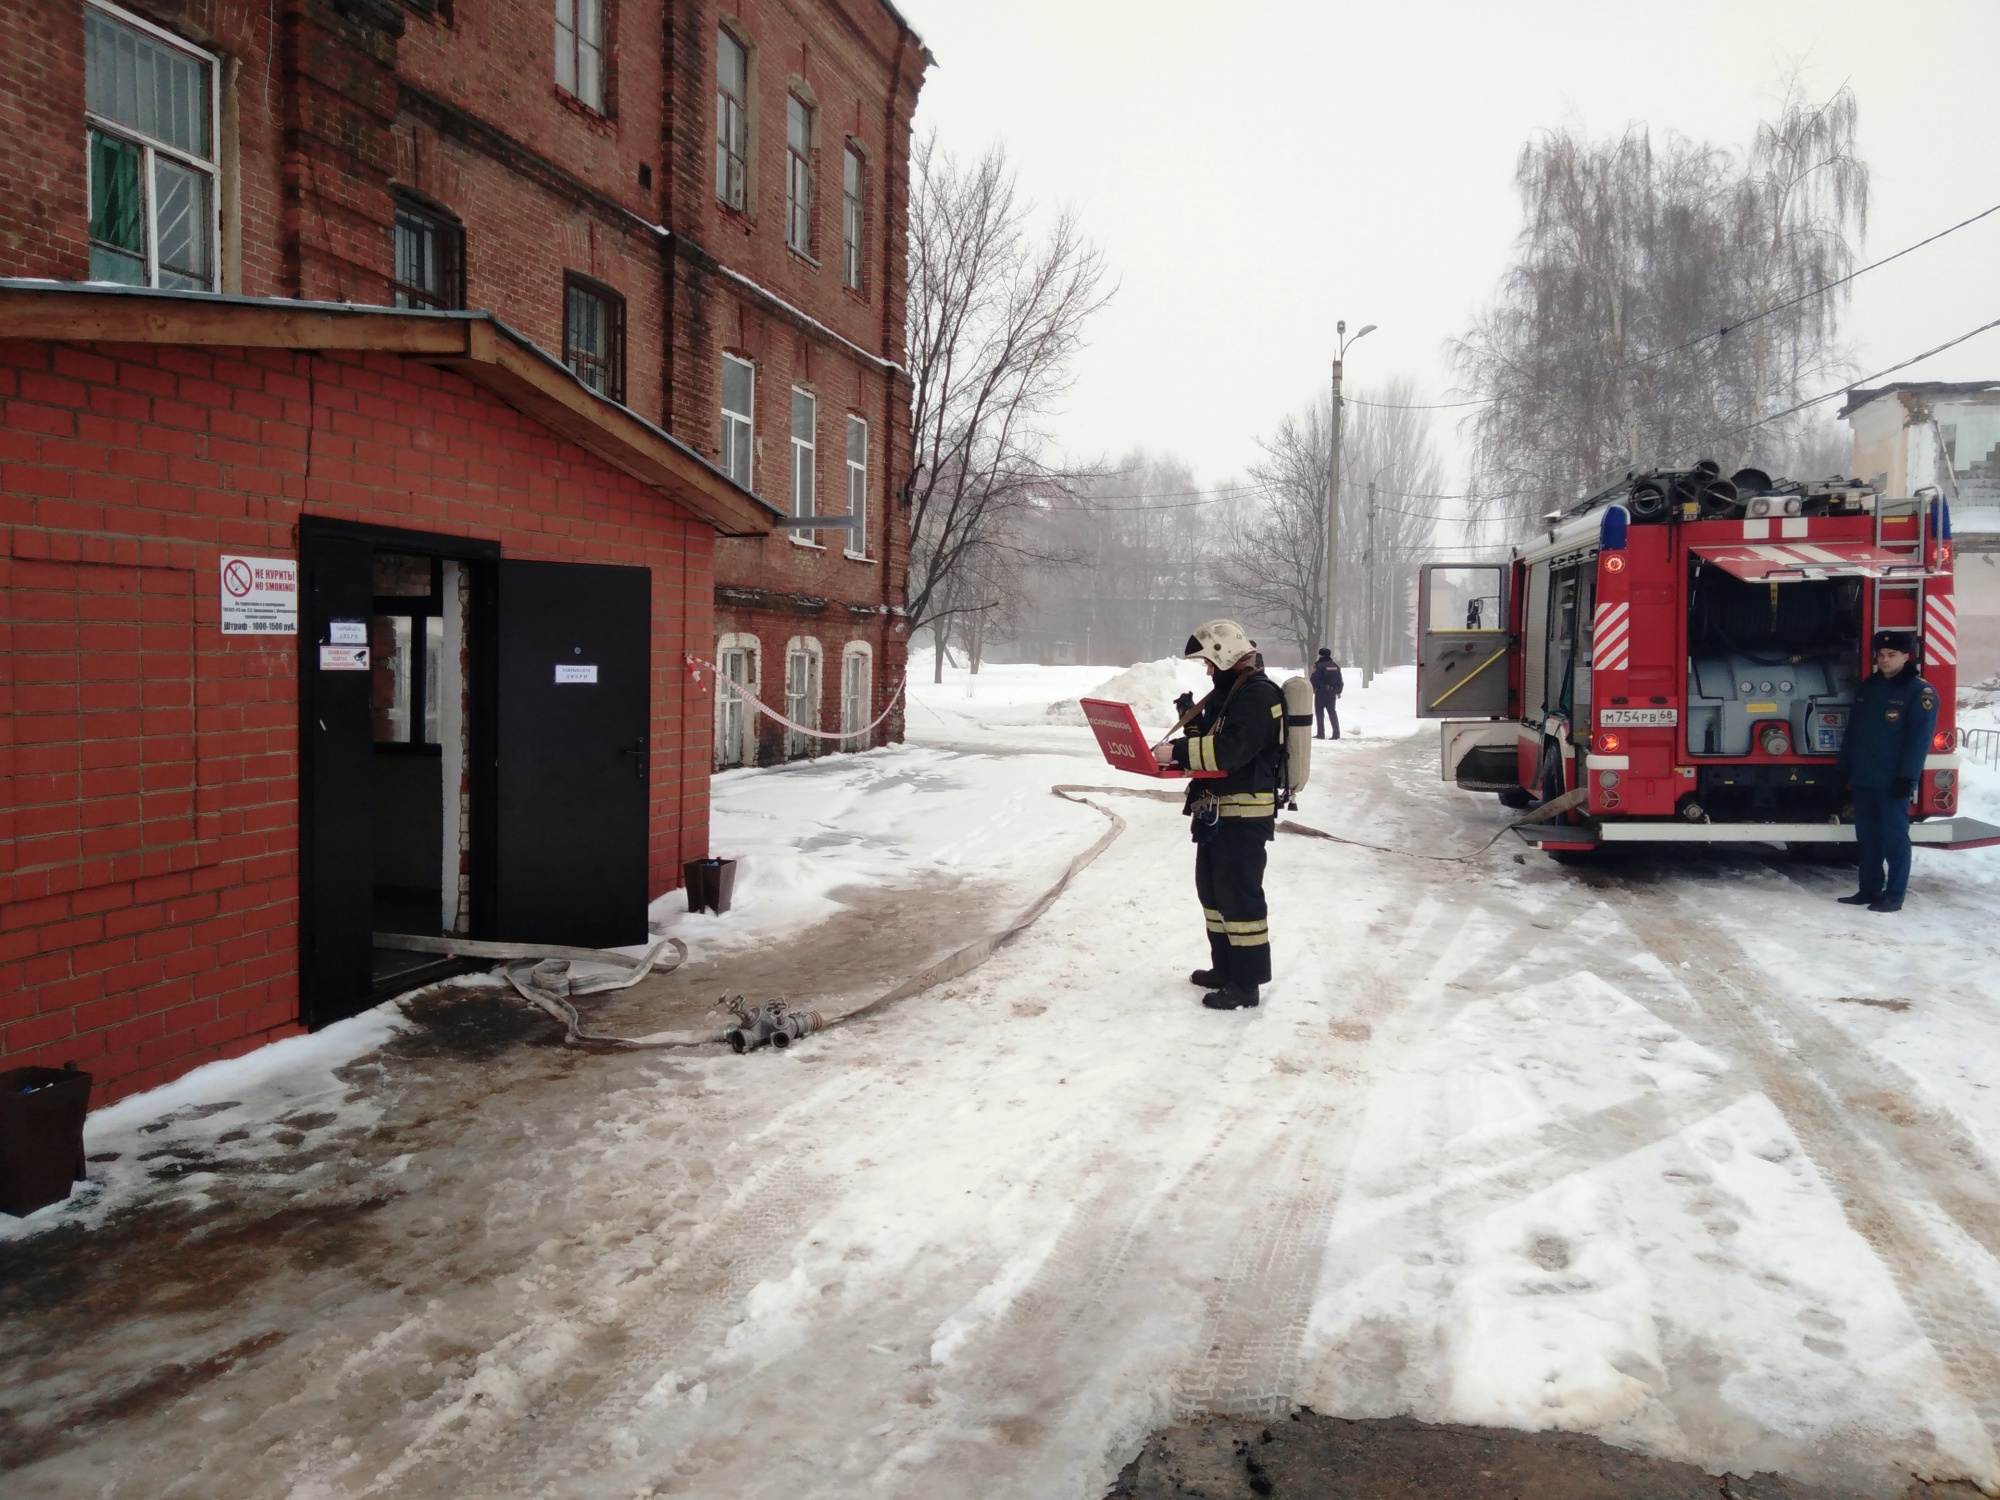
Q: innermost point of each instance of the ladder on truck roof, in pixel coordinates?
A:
(1918, 549)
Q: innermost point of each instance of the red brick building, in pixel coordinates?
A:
(697, 215)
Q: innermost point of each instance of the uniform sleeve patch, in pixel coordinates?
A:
(1928, 702)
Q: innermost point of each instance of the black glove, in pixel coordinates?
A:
(1901, 788)
(1184, 705)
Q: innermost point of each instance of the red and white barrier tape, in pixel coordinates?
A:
(697, 662)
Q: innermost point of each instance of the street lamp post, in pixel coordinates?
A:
(1330, 564)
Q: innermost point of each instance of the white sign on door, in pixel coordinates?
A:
(260, 595)
(577, 673)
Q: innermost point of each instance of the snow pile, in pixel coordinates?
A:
(276, 1093)
(1150, 687)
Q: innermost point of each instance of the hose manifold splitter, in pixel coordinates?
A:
(773, 1022)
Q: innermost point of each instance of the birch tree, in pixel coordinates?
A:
(1664, 301)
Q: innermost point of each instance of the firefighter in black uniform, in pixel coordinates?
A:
(1238, 730)
(1881, 758)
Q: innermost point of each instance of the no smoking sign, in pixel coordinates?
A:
(260, 596)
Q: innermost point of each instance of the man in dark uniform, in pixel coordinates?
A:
(1327, 686)
(1239, 730)
(1881, 758)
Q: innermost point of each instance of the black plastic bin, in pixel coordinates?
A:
(41, 1136)
(710, 884)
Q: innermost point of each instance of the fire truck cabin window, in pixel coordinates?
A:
(1465, 599)
(1560, 680)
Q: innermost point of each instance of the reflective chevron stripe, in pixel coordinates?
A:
(1214, 919)
(1201, 753)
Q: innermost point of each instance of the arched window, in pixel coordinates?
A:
(735, 720)
(857, 695)
(802, 683)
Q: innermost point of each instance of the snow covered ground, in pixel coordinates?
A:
(1674, 1150)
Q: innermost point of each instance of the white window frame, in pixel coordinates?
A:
(574, 48)
(805, 458)
(853, 214)
(739, 424)
(150, 148)
(736, 720)
(803, 708)
(857, 489)
(856, 712)
(732, 129)
(798, 177)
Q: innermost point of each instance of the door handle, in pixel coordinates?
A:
(638, 754)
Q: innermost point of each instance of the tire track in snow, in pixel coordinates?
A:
(1885, 1195)
(1250, 1356)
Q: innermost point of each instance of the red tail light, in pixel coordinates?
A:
(1941, 741)
(1608, 743)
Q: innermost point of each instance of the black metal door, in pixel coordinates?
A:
(573, 727)
(337, 770)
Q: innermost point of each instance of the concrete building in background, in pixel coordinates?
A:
(1944, 435)
(480, 337)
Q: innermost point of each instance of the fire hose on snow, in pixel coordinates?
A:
(546, 977)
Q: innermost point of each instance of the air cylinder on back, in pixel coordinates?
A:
(1298, 730)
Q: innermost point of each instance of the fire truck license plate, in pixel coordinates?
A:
(1631, 717)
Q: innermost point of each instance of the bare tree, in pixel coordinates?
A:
(1272, 555)
(1662, 303)
(996, 316)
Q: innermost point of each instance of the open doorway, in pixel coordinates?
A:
(419, 635)
(475, 755)
(393, 715)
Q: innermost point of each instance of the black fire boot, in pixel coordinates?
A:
(1208, 979)
(1232, 996)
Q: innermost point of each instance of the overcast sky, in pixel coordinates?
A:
(1256, 172)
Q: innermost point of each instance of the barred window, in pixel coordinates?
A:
(430, 258)
(149, 104)
(850, 217)
(580, 50)
(732, 120)
(594, 336)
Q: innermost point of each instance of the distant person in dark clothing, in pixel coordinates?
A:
(1327, 688)
(1881, 758)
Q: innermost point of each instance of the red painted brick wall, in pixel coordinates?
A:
(326, 116)
(149, 880)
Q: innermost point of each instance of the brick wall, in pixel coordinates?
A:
(148, 895)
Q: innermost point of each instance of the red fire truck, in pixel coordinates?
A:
(1674, 660)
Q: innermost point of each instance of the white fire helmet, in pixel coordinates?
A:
(1222, 643)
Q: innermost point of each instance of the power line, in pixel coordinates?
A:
(1703, 442)
(1722, 332)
